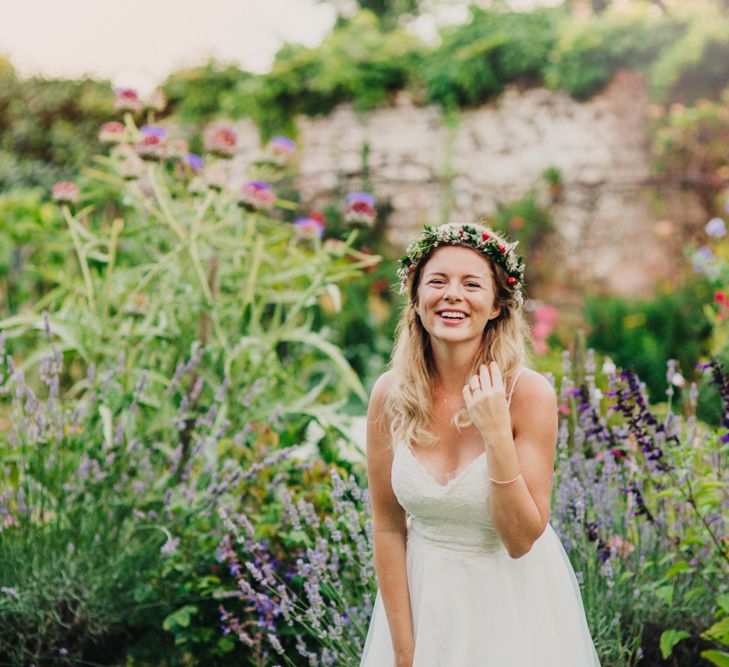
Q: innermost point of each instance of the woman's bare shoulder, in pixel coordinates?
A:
(533, 391)
(382, 386)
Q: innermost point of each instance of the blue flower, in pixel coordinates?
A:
(716, 228)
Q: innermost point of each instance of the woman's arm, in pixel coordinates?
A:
(520, 510)
(389, 527)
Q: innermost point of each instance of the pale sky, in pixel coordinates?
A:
(137, 43)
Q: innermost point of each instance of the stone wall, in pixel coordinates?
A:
(615, 230)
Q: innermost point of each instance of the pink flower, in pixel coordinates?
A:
(152, 146)
(220, 140)
(65, 193)
(311, 227)
(112, 133)
(360, 208)
(127, 99)
(256, 196)
(280, 150)
(620, 546)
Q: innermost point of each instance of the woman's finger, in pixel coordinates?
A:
(483, 372)
(475, 383)
(496, 378)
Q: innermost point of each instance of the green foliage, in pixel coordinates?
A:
(589, 51)
(477, 59)
(694, 64)
(644, 334)
(693, 141)
(24, 215)
(529, 223)
(356, 61)
(48, 128)
(195, 95)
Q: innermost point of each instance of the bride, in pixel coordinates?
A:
(469, 570)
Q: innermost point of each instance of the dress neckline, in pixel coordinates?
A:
(458, 474)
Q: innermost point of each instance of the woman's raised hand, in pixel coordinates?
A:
(485, 396)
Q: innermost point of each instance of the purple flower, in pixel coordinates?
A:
(716, 228)
(311, 227)
(153, 131)
(279, 151)
(194, 161)
(256, 196)
(170, 546)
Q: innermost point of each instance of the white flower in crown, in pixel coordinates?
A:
(489, 243)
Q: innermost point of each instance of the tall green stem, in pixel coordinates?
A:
(83, 263)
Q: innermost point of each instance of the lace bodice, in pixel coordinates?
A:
(456, 515)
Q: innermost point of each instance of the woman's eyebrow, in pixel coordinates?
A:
(440, 273)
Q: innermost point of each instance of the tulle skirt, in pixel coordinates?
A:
(478, 609)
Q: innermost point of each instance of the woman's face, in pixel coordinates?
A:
(456, 281)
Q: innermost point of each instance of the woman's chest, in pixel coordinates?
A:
(453, 451)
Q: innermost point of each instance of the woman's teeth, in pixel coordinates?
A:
(452, 316)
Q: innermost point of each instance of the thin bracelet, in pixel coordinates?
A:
(495, 481)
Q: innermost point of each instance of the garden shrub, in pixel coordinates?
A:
(476, 60)
(642, 334)
(589, 51)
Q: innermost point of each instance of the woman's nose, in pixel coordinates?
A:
(452, 291)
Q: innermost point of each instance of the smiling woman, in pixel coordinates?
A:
(461, 439)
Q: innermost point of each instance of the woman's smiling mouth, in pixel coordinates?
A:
(452, 316)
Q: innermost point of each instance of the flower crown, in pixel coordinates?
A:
(488, 242)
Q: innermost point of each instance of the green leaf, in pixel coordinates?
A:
(719, 632)
(676, 568)
(225, 644)
(666, 594)
(723, 601)
(179, 618)
(669, 639)
(719, 658)
(334, 353)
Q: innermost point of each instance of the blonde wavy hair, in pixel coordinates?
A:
(506, 340)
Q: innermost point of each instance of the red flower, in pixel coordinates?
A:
(502, 248)
(511, 280)
(486, 236)
(720, 297)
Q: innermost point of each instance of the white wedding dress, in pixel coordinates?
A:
(472, 604)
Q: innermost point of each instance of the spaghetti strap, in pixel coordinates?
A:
(513, 384)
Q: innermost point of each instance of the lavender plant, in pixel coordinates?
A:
(314, 608)
(639, 503)
(641, 508)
